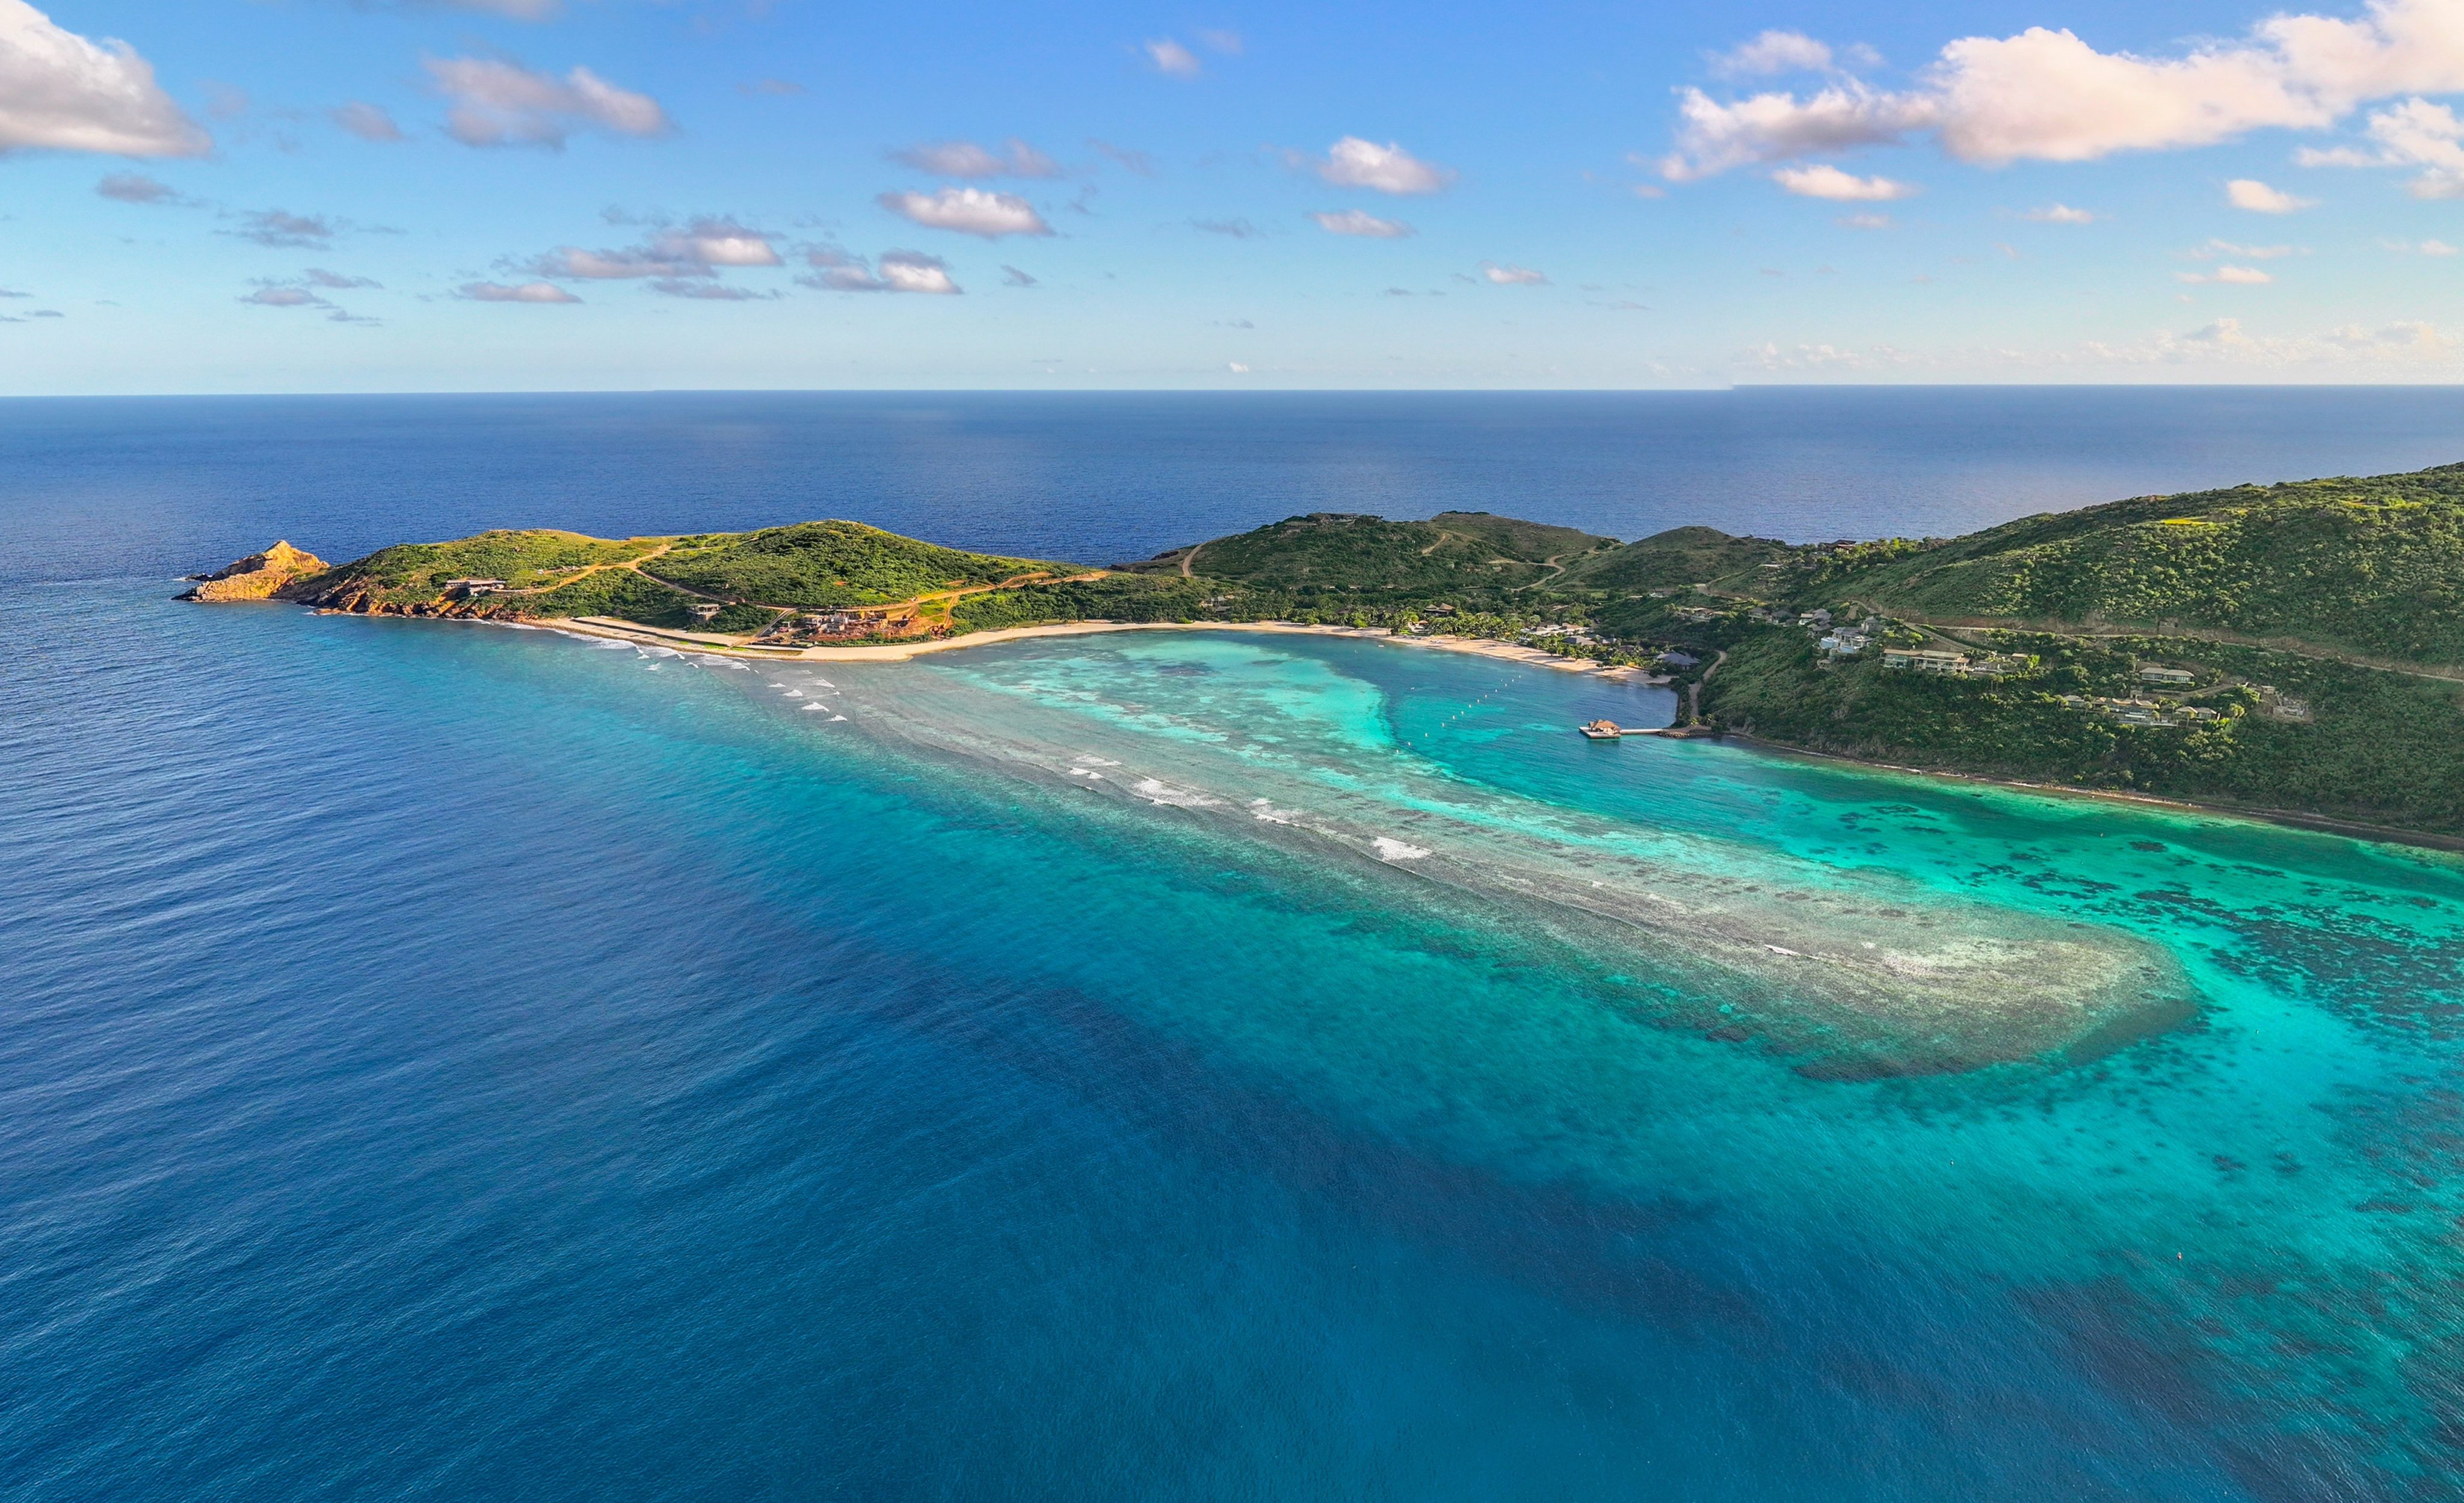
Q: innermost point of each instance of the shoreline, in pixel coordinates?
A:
(2291, 818)
(906, 651)
(1508, 652)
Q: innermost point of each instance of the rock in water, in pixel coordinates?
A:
(258, 576)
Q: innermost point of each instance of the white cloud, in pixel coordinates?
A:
(964, 158)
(2425, 248)
(1512, 275)
(523, 293)
(707, 292)
(1355, 162)
(1825, 181)
(1171, 57)
(1228, 43)
(2060, 214)
(699, 249)
(2045, 95)
(499, 103)
(969, 211)
(899, 272)
(2258, 198)
(299, 293)
(1866, 221)
(2218, 249)
(1236, 367)
(1361, 222)
(2227, 275)
(2414, 134)
(59, 92)
(1774, 52)
(319, 277)
(367, 121)
(1233, 229)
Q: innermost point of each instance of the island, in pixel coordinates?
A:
(2295, 650)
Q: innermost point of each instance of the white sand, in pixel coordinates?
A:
(902, 651)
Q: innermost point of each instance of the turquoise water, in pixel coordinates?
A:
(561, 1068)
(453, 1062)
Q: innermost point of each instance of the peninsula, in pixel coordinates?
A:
(2294, 648)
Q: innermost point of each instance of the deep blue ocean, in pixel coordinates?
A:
(443, 1061)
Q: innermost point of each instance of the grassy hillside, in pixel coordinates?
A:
(824, 565)
(1679, 557)
(2373, 567)
(2382, 748)
(539, 558)
(1466, 553)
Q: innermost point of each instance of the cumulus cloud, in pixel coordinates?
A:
(1355, 162)
(895, 272)
(968, 212)
(2416, 134)
(60, 91)
(2424, 247)
(1359, 221)
(2227, 275)
(1774, 52)
(500, 103)
(1168, 56)
(367, 121)
(516, 292)
(2405, 342)
(707, 292)
(319, 277)
(964, 158)
(278, 230)
(2221, 249)
(301, 292)
(1825, 181)
(136, 188)
(285, 297)
(2059, 214)
(701, 248)
(2258, 198)
(1512, 275)
(2045, 95)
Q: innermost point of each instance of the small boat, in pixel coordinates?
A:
(1602, 731)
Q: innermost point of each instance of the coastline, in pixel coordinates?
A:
(2292, 818)
(906, 651)
(1531, 656)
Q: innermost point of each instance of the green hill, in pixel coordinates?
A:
(826, 565)
(1454, 554)
(2372, 567)
(2296, 646)
(1678, 558)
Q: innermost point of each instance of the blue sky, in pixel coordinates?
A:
(322, 195)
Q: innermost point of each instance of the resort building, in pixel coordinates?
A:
(2167, 676)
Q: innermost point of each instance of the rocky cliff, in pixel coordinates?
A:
(258, 576)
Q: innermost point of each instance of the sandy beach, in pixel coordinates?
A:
(903, 651)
